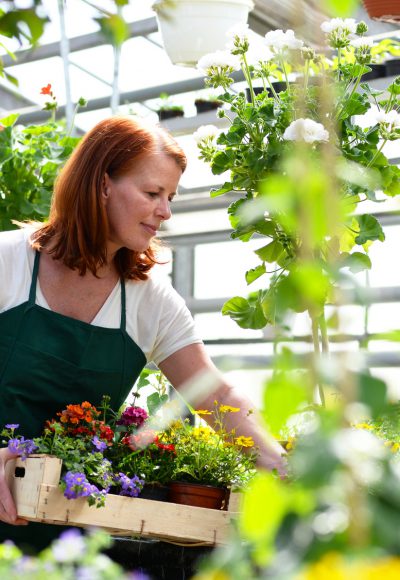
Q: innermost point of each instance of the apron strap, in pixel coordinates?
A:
(32, 291)
(123, 306)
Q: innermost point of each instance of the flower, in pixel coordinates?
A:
(99, 445)
(12, 425)
(69, 547)
(203, 412)
(244, 441)
(362, 42)
(306, 130)
(130, 486)
(228, 409)
(340, 26)
(21, 446)
(133, 416)
(46, 90)
(219, 59)
(141, 440)
(205, 133)
(76, 485)
(278, 40)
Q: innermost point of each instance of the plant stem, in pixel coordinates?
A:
(324, 333)
(317, 353)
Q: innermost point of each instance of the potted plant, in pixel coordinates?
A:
(207, 102)
(192, 28)
(386, 10)
(167, 109)
(208, 462)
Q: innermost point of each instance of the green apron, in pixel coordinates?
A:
(47, 361)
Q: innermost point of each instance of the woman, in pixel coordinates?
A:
(80, 314)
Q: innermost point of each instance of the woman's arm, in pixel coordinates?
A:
(188, 363)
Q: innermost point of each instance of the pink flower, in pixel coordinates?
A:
(133, 416)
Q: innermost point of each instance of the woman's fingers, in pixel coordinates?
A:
(8, 512)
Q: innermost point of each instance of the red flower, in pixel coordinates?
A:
(141, 440)
(46, 90)
(106, 432)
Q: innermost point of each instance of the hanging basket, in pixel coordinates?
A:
(192, 28)
(385, 10)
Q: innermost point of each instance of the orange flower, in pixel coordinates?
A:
(46, 90)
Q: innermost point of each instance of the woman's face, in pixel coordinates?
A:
(139, 201)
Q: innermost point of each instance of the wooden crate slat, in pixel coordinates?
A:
(39, 498)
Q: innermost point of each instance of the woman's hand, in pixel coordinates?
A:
(8, 512)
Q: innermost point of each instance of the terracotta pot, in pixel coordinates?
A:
(386, 10)
(199, 495)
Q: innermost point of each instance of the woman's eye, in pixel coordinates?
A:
(152, 193)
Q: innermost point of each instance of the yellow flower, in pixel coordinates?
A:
(201, 432)
(395, 447)
(364, 426)
(203, 412)
(244, 441)
(228, 409)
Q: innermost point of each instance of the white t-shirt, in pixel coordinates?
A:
(157, 318)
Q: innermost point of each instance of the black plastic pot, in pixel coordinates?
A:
(164, 114)
(159, 560)
(202, 105)
(154, 491)
(378, 71)
(392, 67)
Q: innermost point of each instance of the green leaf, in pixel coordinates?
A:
(393, 335)
(357, 262)
(284, 395)
(340, 7)
(10, 120)
(114, 29)
(255, 273)
(271, 252)
(226, 188)
(370, 229)
(373, 393)
(155, 401)
(246, 313)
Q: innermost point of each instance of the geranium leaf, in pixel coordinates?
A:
(357, 262)
(271, 252)
(244, 313)
(255, 273)
(370, 229)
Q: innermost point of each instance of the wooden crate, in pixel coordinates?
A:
(38, 497)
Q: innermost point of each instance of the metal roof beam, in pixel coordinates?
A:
(136, 28)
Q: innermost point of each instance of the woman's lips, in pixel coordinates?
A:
(151, 229)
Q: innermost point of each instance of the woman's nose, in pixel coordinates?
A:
(164, 209)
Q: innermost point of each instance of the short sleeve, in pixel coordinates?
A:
(158, 319)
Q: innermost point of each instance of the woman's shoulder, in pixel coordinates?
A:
(156, 286)
(14, 241)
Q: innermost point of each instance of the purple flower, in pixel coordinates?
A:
(22, 447)
(76, 485)
(130, 486)
(12, 426)
(133, 416)
(100, 445)
(69, 547)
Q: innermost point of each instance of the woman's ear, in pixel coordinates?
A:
(106, 187)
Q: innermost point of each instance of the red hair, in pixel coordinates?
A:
(77, 229)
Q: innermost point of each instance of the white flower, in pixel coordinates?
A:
(258, 53)
(367, 119)
(279, 40)
(340, 26)
(205, 132)
(241, 30)
(306, 130)
(361, 451)
(220, 58)
(362, 42)
(392, 118)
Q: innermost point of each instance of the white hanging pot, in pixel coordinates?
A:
(192, 28)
